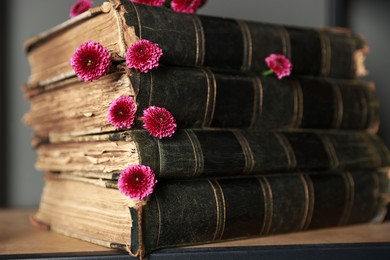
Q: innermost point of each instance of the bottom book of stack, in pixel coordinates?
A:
(198, 211)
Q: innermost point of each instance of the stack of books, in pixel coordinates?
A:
(200, 147)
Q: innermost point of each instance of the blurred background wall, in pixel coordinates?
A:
(21, 185)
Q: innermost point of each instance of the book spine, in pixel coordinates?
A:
(196, 153)
(219, 100)
(211, 100)
(208, 210)
(207, 41)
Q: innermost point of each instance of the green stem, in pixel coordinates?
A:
(267, 72)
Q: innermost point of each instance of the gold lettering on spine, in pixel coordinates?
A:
(268, 205)
(349, 197)
(297, 117)
(247, 151)
(211, 97)
(197, 151)
(220, 210)
(257, 101)
(326, 53)
(338, 109)
(199, 41)
(286, 43)
(330, 150)
(247, 44)
(290, 155)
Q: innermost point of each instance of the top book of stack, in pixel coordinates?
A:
(205, 41)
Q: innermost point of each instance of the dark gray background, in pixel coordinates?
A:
(21, 185)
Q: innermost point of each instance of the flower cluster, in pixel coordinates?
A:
(137, 181)
(181, 6)
(158, 121)
(279, 65)
(91, 61)
(80, 7)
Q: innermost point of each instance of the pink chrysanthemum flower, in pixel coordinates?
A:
(279, 65)
(80, 7)
(91, 61)
(150, 2)
(186, 6)
(143, 55)
(137, 181)
(121, 112)
(159, 122)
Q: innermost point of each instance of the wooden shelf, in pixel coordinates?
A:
(19, 239)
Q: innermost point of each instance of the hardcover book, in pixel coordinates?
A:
(242, 155)
(205, 41)
(201, 98)
(191, 153)
(186, 212)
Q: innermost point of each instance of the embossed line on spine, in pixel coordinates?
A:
(285, 39)
(289, 151)
(197, 151)
(338, 105)
(268, 205)
(309, 204)
(150, 76)
(349, 197)
(330, 150)
(247, 151)
(257, 102)
(159, 221)
(211, 97)
(247, 44)
(220, 209)
(297, 117)
(200, 41)
(161, 162)
(138, 19)
(326, 53)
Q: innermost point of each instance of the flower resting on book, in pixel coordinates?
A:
(137, 181)
(159, 122)
(80, 7)
(91, 61)
(187, 6)
(143, 55)
(150, 2)
(279, 65)
(121, 112)
(180, 6)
